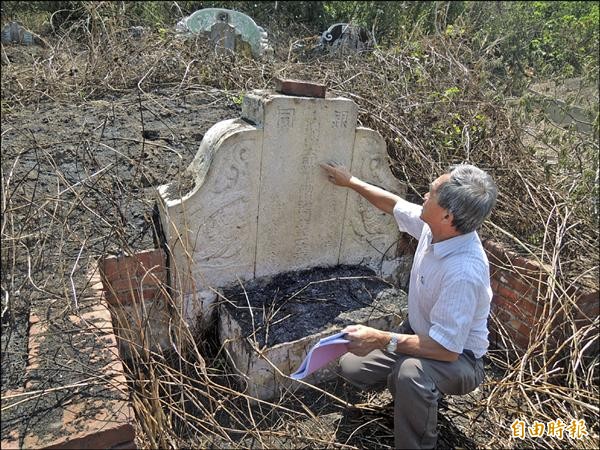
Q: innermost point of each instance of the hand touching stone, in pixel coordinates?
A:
(337, 173)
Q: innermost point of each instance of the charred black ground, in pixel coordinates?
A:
(292, 305)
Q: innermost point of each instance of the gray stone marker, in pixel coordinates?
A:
(224, 26)
(15, 33)
(342, 38)
(255, 202)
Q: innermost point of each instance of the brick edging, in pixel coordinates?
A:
(519, 292)
(87, 421)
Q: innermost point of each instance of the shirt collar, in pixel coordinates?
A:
(444, 248)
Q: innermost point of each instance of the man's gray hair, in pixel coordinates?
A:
(469, 194)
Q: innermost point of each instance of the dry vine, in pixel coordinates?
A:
(433, 104)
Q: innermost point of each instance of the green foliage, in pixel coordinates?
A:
(558, 38)
(540, 38)
(395, 22)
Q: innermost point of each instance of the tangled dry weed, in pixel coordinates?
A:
(435, 103)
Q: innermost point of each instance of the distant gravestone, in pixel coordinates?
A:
(254, 201)
(342, 38)
(14, 33)
(228, 30)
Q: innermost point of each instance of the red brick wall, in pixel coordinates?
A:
(128, 279)
(519, 286)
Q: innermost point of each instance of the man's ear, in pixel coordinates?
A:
(448, 218)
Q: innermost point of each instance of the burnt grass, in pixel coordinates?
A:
(78, 183)
(292, 305)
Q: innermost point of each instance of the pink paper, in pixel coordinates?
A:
(326, 350)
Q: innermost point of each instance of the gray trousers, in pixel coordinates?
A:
(416, 384)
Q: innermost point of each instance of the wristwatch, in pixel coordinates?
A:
(391, 347)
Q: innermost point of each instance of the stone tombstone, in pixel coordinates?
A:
(255, 202)
(223, 35)
(341, 38)
(224, 26)
(14, 33)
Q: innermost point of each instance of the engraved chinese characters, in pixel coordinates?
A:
(300, 215)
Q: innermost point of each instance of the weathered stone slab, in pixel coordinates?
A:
(255, 202)
(343, 38)
(300, 213)
(210, 215)
(369, 236)
(14, 33)
(222, 26)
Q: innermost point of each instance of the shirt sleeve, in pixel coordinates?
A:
(408, 217)
(452, 316)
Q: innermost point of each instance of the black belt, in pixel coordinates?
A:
(469, 353)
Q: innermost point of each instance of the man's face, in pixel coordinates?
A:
(433, 213)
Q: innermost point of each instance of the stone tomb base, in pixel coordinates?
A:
(267, 325)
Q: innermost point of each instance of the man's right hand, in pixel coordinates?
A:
(340, 176)
(337, 173)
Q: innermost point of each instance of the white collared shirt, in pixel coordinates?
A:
(449, 292)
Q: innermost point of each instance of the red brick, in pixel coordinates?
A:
(122, 285)
(151, 258)
(494, 248)
(532, 307)
(514, 307)
(11, 440)
(127, 285)
(494, 285)
(521, 341)
(501, 257)
(508, 293)
(37, 329)
(112, 424)
(519, 284)
(126, 298)
(529, 265)
(525, 329)
(495, 272)
(589, 304)
(300, 88)
(106, 437)
(520, 306)
(154, 278)
(139, 264)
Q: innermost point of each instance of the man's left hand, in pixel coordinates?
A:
(363, 339)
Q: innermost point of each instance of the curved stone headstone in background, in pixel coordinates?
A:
(14, 33)
(255, 201)
(345, 37)
(223, 25)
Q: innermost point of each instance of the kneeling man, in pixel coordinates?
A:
(439, 348)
